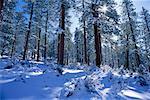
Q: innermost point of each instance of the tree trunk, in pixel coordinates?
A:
(38, 46)
(45, 38)
(97, 45)
(62, 49)
(85, 49)
(1, 6)
(28, 34)
(3, 46)
(137, 57)
(84, 30)
(61, 39)
(67, 58)
(127, 53)
(1, 18)
(88, 59)
(77, 55)
(58, 49)
(97, 38)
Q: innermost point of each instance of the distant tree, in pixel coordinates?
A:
(78, 39)
(69, 47)
(39, 9)
(20, 28)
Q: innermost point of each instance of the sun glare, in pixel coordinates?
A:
(103, 8)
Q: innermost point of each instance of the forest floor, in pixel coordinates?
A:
(30, 80)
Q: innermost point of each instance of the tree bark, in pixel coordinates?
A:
(58, 49)
(97, 46)
(1, 6)
(84, 30)
(3, 46)
(62, 35)
(67, 58)
(127, 53)
(45, 38)
(62, 49)
(85, 49)
(28, 34)
(88, 59)
(97, 36)
(38, 46)
(77, 55)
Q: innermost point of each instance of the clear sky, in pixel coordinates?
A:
(137, 3)
(140, 3)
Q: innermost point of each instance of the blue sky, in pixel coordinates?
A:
(140, 3)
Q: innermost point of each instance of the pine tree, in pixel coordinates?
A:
(68, 47)
(145, 35)
(103, 13)
(30, 7)
(146, 26)
(45, 37)
(64, 5)
(78, 39)
(97, 39)
(130, 22)
(19, 30)
(39, 8)
(7, 27)
(61, 36)
(84, 31)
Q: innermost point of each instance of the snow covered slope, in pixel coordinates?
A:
(29, 80)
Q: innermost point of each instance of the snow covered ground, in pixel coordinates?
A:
(29, 80)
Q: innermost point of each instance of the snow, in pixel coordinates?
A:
(134, 94)
(30, 80)
(7, 80)
(35, 73)
(71, 71)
